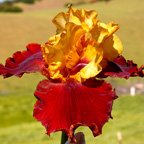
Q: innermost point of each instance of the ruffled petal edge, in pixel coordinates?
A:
(66, 106)
(27, 61)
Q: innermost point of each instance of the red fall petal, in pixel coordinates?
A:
(65, 106)
(122, 69)
(26, 61)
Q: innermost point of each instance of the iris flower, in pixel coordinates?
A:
(75, 62)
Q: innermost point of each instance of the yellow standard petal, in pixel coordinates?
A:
(93, 67)
(60, 21)
(87, 19)
(112, 47)
(101, 31)
(88, 53)
(82, 46)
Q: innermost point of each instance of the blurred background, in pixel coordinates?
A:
(26, 21)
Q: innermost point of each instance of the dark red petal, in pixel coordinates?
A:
(23, 62)
(65, 106)
(77, 68)
(122, 69)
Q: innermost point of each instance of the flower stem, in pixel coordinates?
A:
(64, 138)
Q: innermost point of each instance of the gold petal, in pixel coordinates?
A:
(93, 68)
(111, 27)
(54, 70)
(81, 38)
(60, 21)
(112, 47)
(72, 59)
(89, 53)
(90, 70)
(101, 31)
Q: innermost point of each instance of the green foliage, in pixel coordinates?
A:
(28, 1)
(9, 7)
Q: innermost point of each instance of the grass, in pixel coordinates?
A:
(17, 125)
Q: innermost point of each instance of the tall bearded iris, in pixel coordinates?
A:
(74, 61)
